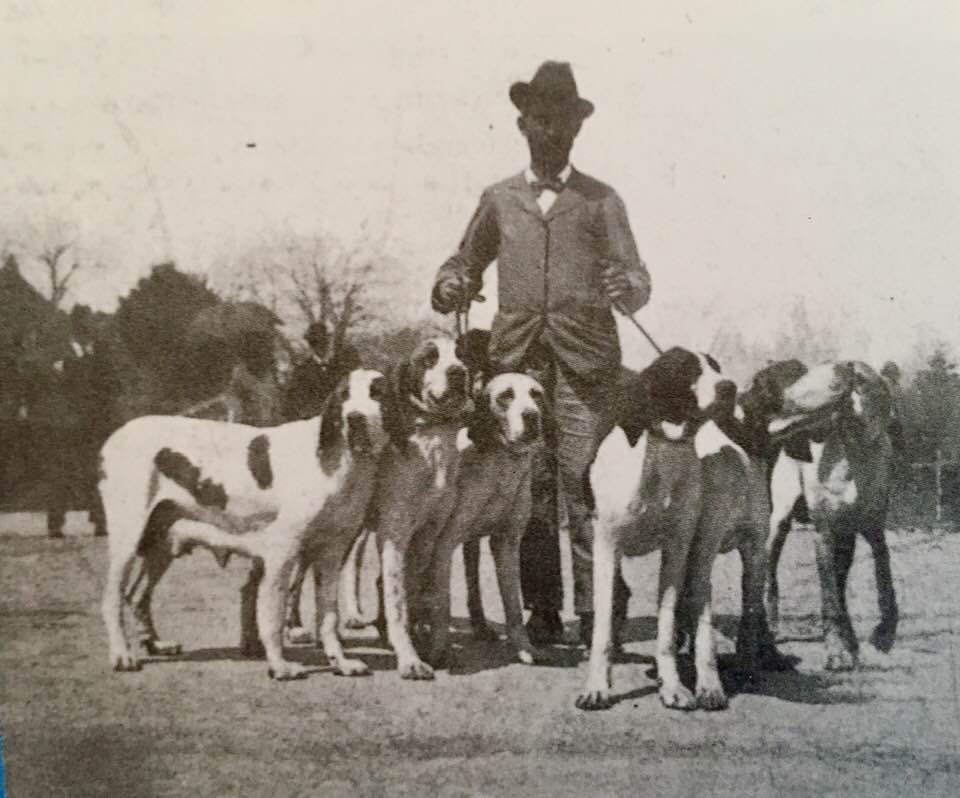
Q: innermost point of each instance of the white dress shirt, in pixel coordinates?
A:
(548, 197)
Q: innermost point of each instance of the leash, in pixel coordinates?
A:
(639, 326)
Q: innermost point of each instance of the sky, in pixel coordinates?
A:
(764, 150)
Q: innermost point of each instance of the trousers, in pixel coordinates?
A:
(581, 418)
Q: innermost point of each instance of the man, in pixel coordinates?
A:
(314, 379)
(565, 257)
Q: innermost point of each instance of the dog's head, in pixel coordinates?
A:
(431, 385)
(354, 416)
(760, 403)
(510, 411)
(675, 393)
(848, 392)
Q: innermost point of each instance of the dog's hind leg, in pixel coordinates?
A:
(885, 633)
(250, 645)
(125, 522)
(296, 631)
(352, 575)
(471, 568)
(156, 560)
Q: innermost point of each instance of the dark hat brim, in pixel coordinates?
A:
(523, 97)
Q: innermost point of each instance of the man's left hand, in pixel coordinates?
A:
(614, 279)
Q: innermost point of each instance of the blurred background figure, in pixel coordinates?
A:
(316, 375)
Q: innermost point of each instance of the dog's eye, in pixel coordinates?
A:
(378, 388)
(536, 394)
(505, 397)
(712, 362)
(428, 357)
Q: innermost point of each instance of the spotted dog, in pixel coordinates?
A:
(493, 499)
(837, 459)
(170, 483)
(647, 487)
(427, 402)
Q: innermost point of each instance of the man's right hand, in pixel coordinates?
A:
(450, 295)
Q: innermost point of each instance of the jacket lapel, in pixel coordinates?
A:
(568, 199)
(524, 195)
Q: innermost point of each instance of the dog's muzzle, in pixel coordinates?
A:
(358, 434)
(532, 426)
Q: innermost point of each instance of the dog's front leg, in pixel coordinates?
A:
(326, 572)
(296, 631)
(506, 557)
(278, 562)
(672, 571)
(596, 694)
(709, 691)
(409, 663)
(838, 638)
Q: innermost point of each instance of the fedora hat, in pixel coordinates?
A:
(552, 88)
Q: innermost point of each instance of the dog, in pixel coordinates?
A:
(493, 499)
(837, 459)
(170, 483)
(427, 403)
(647, 487)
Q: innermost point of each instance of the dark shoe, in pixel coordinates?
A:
(545, 627)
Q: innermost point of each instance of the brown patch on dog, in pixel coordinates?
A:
(258, 461)
(177, 467)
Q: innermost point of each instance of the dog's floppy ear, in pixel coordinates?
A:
(631, 404)
(473, 349)
(397, 416)
(331, 430)
(482, 426)
(669, 386)
(548, 421)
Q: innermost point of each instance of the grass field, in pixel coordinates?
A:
(209, 723)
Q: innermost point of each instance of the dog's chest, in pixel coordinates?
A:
(641, 492)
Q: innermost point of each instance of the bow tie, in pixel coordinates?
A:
(554, 184)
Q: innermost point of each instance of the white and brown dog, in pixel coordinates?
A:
(647, 486)
(837, 458)
(170, 483)
(428, 401)
(493, 499)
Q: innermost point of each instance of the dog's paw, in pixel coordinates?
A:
(355, 622)
(298, 635)
(883, 638)
(841, 660)
(677, 697)
(162, 648)
(711, 698)
(124, 662)
(350, 667)
(415, 669)
(528, 656)
(593, 700)
(286, 671)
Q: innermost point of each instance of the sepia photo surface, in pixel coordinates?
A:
(470, 399)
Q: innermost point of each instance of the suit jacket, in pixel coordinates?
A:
(549, 272)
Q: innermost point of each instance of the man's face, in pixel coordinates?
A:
(550, 135)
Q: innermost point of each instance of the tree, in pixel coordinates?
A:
(933, 408)
(152, 321)
(309, 279)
